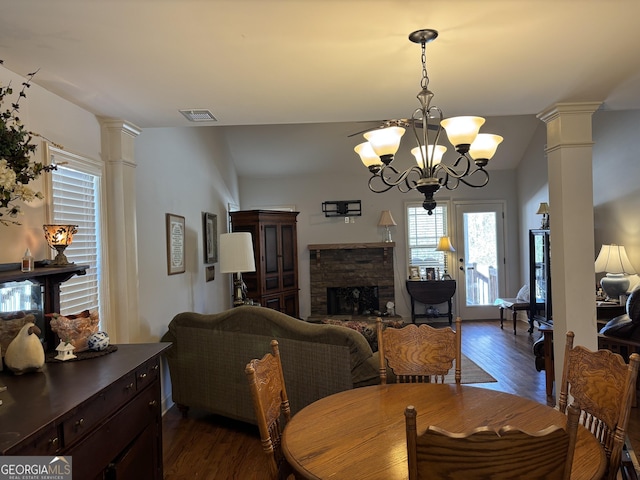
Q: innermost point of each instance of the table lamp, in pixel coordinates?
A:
(444, 245)
(236, 256)
(386, 221)
(59, 237)
(613, 260)
(543, 210)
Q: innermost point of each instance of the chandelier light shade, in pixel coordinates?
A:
(236, 256)
(474, 149)
(386, 221)
(59, 237)
(543, 210)
(613, 260)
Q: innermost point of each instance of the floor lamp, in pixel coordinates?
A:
(236, 256)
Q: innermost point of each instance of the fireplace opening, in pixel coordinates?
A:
(352, 300)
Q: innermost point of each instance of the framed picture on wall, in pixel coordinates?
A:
(175, 244)
(210, 237)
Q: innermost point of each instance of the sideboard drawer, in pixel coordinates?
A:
(147, 373)
(46, 442)
(103, 445)
(86, 417)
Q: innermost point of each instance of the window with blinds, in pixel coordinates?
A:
(424, 232)
(76, 201)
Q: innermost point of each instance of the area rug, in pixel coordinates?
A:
(471, 373)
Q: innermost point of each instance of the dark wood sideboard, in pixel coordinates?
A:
(104, 412)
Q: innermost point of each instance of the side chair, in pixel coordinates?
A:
(272, 409)
(419, 354)
(503, 453)
(602, 386)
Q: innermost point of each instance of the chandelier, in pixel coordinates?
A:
(430, 174)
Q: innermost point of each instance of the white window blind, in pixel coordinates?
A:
(424, 232)
(76, 202)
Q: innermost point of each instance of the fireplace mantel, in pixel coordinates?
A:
(352, 246)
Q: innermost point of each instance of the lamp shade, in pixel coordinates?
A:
(386, 219)
(543, 208)
(385, 141)
(484, 146)
(444, 245)
(236, 253)
(613, 259)
(462, 130)
(367, 155)
(422, 158)
(58, 235)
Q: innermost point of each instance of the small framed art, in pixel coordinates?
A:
(175, 244)
(430, 273)
(210, 237)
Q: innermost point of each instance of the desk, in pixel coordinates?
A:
(360, 433)
(431, 292)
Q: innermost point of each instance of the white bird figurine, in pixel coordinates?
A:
(25, 353)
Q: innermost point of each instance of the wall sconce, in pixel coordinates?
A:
(236, 256)
(444, 245)
(59, 237)
(386, 221)
(543, 210)
(613, 260)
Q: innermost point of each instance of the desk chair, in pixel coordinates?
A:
(602, 386)
(483, 453)
(419, 354)
(271, 404)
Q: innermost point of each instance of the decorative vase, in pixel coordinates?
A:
(25, 353)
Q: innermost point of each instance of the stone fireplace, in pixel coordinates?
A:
(346, 277)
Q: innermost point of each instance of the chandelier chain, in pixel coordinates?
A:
(424, 83)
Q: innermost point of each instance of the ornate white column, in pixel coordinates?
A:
(118, 141)
(570, 171)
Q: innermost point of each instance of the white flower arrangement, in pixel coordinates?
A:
(16, 150)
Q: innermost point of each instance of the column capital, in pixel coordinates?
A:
(569, 124)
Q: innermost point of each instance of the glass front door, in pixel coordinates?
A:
(480, 254)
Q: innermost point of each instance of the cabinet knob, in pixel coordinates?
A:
(143, 375)
(129, 387)
(79, 423)
(153, 403)
(53, 442)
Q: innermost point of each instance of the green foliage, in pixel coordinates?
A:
(16, 152)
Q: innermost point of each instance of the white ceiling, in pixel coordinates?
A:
(268, 64)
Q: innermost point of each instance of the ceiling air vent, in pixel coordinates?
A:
(199, 115)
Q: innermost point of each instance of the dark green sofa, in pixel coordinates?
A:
(209, 353)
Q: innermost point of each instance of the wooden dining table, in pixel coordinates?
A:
(360, 433)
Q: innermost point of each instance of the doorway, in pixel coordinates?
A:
(479, 258)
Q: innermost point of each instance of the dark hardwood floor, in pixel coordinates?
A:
(205, 446)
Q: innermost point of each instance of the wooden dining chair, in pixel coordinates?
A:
(419, 354)
(487, 453)
(602, 386)
(271, 405)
